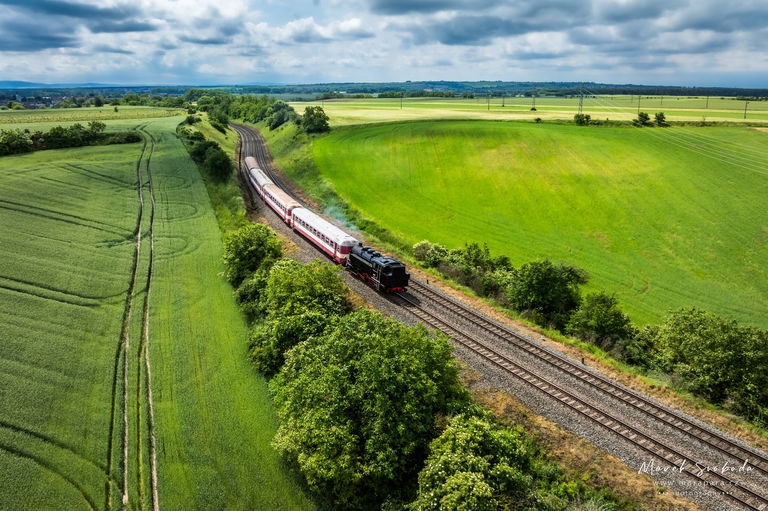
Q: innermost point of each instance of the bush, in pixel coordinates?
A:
(217, 164)
(248, 294)
(718, 359)
(299, 301)
(547, 292)
(200, 149)
(358, 406)
(475, 465)
(315, 120)
(582, 119)
(643, 119)
(247, 249)
(600, 321)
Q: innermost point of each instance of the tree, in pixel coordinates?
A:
(200, 149)
(217, 164)
(661, 120)
(475, 466)
(546, 291)
(357, 406)
(600, 321)
(315, 120)
(643, 119)
(582, 119)
(299, 301)
(15, 142)
(247, 249)
(705, 349)
(98, 101)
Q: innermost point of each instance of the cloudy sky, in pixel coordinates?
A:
(677, 42)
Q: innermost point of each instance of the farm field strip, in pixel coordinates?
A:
(59, 324)
(101, 409)
(653, 219)
(365, 111)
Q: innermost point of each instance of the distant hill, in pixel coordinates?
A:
(15, 84)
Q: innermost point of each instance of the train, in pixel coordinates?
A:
(384, 274)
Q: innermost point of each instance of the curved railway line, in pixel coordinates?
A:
(485, 337)
(757, 460)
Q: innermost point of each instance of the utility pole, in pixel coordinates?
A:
(401, 100)
(503, 98)
(533, 107)
(706, 107)
(638, 104)
(745, 108)
(488, 99)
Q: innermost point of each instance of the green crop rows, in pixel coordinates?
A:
(664, 218)
(616, 108)
(78, 339)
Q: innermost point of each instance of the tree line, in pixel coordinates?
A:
(25, 141)
(709, 355)
(221, 106)
(209, 155)
(373, 412)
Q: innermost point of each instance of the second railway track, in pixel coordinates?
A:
(668, 455)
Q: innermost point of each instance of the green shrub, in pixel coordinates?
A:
(246, 249)
(358, 406)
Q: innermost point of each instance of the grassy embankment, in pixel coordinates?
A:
(616, 108)
(663, 218)
(68, 250)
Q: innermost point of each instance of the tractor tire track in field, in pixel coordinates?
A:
(53, 442)
(58, 219)
(55, 212)
(50, 468)
(122, 350)
(142, 355)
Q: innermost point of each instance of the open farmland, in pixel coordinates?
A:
(663, 218)
(22, 118)
(123, 355)
(616, 108)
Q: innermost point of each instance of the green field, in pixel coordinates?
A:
(72, 309)
(21, 118)
(344, 112)
(663, 218)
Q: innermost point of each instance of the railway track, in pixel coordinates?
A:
(758, 461)
(653, 443)
(681, 462)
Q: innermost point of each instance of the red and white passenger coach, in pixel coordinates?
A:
(329, 238)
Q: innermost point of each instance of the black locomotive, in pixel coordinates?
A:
(383, 273)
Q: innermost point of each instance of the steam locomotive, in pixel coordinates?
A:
(384, 274)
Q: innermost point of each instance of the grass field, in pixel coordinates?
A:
(15, 118)
(663, 218)
(344, 112)
(81, 331)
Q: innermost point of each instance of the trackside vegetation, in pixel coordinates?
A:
(712, 357)
(373, 413)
